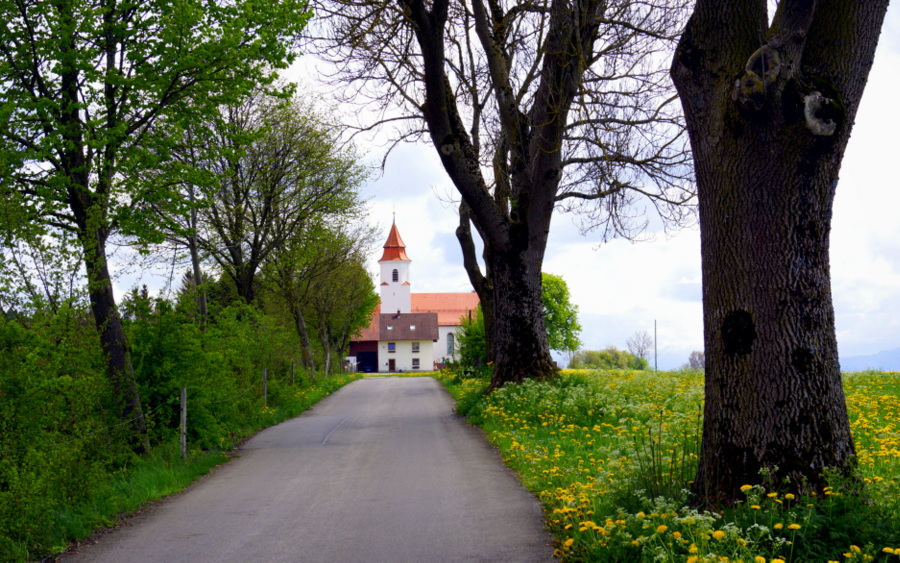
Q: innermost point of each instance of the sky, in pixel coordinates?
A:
(621, 288)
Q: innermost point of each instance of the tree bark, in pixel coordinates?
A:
(112, 340)
(767, 157)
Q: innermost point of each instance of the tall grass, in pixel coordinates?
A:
(611, 455)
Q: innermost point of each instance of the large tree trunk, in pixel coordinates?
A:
(767, 163)
(520, 349)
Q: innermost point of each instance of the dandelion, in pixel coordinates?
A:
(778, 526)
(789, 496)
(772, 495)
(890, 550)
(855, 549)
(777, 561)
(754, 506)
(661, 529)
(745, 488)
(794, 526)
(759, 559)
(718, 534)
(569, 542)
(677, 535)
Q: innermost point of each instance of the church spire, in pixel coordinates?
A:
(394, 248)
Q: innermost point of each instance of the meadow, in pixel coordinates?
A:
(611, 455)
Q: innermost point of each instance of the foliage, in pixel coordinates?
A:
(610, 358)
(560, 320)
(90, 99)
(65, 462)
(582, 445)
(560, 314)
(279, 169)
(471, 346)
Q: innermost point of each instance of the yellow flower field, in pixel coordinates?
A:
(611, 454)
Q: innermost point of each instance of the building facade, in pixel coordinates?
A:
(409, 331)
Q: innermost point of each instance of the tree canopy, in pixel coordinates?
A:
(85, 91)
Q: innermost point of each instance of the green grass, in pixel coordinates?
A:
(611, 455)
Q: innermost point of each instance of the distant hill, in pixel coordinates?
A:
(887, 360)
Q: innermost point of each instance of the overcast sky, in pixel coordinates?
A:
(621, 288)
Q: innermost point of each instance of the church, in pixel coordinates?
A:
(409, 331)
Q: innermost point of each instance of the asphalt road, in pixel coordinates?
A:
(382, 470)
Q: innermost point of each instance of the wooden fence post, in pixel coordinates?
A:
(183, 422)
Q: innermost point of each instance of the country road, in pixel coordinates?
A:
(380, 471)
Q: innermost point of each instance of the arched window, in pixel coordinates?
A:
(450, 344)
(395, 276)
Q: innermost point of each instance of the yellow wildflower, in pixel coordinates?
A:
(794, 526)
(569, 542)
(745, 488)
(855, 549)
(778, 526)
(789, 496)
(759, 559)
(661, 529)
(718, 534)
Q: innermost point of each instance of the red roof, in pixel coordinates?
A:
(448, 306)
(394, 249)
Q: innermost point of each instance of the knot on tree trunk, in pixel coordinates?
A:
(762, 69)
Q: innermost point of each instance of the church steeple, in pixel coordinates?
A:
(394, 249)
(395, 286)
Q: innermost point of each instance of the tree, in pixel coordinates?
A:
(695, 361)
(560, 315)
(610, 358)
(324, 256)
(342, 304)
(471, 341)
(640, 344)
(770, 108)
(560, 318)
(278, 166)
(84, 85)
(552, 103)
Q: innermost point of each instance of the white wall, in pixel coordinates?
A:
(404, 355)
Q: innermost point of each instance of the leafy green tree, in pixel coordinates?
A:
(610, 358)
(85, 88)
(308, 262)
(471, 344)
(560, 314)
(277, 164)
(769, 100)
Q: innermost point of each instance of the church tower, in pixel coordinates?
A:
(395, 287)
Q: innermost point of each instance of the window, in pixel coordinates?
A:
(395, 275)
(415, 346)
(412, 327)
(392, 347)
(450, 344)
(390, 327)
(415, 363)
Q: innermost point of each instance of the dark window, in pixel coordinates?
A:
(392, 346)
(415, 346)
(395, 276)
